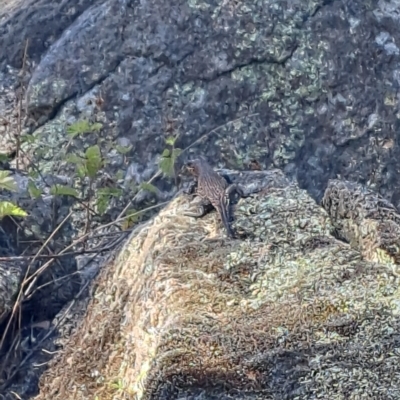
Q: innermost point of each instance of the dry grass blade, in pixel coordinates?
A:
(48, 334)
(28, 278)
(28, 294)
(20, 104)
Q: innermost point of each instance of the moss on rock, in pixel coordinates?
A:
(288, 311)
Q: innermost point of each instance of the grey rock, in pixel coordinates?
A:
(309, 87)
(288, 312)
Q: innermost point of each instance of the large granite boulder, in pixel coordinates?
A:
(286, 312)
(317, 80)
(309, 87)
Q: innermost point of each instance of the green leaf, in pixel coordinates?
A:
(123, 149)
(10, 209)
(167, 166)
(28, 139)
(62, 190)
(33, 174)
(149, 187)
(81, 171)
(93, 160)
(167, 162)
(175, 154)
(108, 191)
(102, 204)
(170, 140)
(33, 190)
(104, 196)
(78, 128)
(96, 127)
(82, 126)
(7, 182)
(74, 159)
(4, 157)
(166, 153)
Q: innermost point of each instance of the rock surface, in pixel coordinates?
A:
(358, 213)
(310, 87)
(321, 76)
(290, 312)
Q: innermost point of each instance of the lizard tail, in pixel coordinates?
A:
(224, 213)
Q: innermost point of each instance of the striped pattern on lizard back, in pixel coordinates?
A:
(212, 187)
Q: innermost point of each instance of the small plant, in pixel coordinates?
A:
(169, 157)
(117, 384)
(7, 182)
(33, 190)
(7, 208)
(131, 218)
(89, 163)
(79, 128)
(10, 209)
(82, 126)
(123, 149)
(93, 161)
(104, 196)
(149, 187)
(63, 190)
(88, 166)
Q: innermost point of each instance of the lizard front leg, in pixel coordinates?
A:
(203, 206)
(191, 189)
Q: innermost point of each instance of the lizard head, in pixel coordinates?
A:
(198, 166)
(193, 167)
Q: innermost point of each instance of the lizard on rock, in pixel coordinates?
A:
(213, 190)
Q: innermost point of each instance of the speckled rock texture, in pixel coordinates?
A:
(288, 311)
(307, 86)
(321, 76)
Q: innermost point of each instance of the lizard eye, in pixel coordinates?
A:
(189, 167)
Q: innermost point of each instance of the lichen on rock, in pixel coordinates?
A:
(364, 218)
(287, 311)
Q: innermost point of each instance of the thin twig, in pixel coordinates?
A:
(29, 295)
(72, 253)
(96, 252)
(27, 279)
(20, 99)
(217, 129)
(156, 175)
(62, 252)
(48, 334)
(159, 172)
(90, 192)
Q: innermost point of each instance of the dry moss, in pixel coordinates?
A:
(368, 221)
(288, 312)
